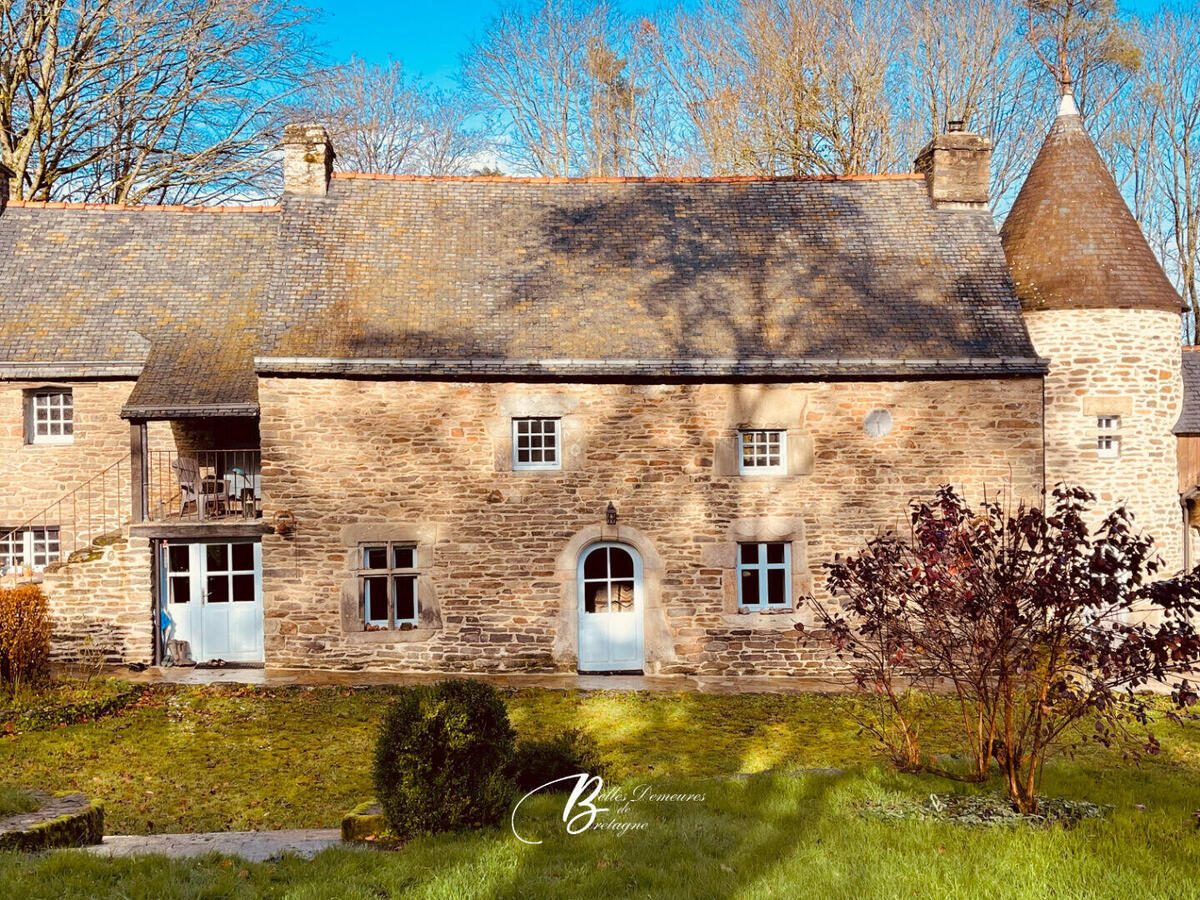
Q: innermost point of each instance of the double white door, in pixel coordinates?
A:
(213, 598)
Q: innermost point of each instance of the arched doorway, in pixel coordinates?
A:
(610, 609)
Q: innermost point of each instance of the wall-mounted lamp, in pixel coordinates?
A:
(610, 514)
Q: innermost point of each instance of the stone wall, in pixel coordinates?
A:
(1125, 363)
(102, 604)
(348, 461)
(38, 474)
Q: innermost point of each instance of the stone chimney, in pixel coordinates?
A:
(307, 160)
(957, 168)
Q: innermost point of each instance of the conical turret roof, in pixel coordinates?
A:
(1070, 239)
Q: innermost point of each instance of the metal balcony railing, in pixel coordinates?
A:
(203, 485)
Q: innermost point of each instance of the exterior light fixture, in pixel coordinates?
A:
(610, 514)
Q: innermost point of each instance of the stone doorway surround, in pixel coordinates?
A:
(658, 645)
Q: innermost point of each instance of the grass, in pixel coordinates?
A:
(64, 701)
(13, 802)
(221, 758)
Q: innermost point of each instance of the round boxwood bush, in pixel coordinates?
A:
(443, 759)
(571, 752)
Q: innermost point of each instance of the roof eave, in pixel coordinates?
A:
(191, 411)
(696, 369)
(69, 369)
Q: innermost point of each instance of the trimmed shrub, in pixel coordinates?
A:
(570, 753)
(24, 635)
(443, 759)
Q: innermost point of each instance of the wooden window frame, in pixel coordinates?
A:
(1108, 437)
(555, 435)
(762, 567)
(41, 541)
(391, 574)
(761, 448)
(34, 419)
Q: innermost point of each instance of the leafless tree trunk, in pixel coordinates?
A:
(967, 61)
(1169, 98)
(381, 119)
(553, 76)
(1083, 42)
(787, 86)
(145, 100)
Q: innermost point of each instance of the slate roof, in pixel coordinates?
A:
(1070, 239)
(649, 277)
(1189, 415)
(172, 294)
(740, 278)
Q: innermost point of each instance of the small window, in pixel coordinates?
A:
(35, 548)
(536, 444)
(50, 416)
(1108, 437)
(387, 580)
(230, 573)
(764, 575)
(762, 452)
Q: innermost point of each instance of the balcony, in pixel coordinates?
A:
(203, 486)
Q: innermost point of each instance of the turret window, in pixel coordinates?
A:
(1108, 437)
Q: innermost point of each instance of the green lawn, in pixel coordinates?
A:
(13, 801)
(207, 759)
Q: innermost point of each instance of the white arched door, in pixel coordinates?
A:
(610, 609)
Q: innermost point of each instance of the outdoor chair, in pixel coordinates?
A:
(193, 488)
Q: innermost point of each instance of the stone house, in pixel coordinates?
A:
(609, 424)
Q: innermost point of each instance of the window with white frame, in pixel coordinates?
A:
(50, 416)
(32, 547)
(764, 575)
(1108, 436)
(537, 443)
(387, 584)
(762, 451)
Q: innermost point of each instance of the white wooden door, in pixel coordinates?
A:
(610, 609)
(214, 597)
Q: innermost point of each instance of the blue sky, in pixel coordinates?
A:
(428, 37)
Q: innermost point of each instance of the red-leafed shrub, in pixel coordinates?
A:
(1044, 628)
(24, 636)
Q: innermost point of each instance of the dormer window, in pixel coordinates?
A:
(1108, 437)
(49, 416)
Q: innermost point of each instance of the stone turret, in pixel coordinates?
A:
(1098, 305)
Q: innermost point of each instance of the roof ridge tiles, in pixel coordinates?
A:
(629, 179)
(130, 207)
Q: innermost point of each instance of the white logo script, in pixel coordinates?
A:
(577, 822)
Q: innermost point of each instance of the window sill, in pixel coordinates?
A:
(392, 636)
(744, 617)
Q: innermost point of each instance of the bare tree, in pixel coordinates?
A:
(1169, 103)
(967, 61)
(381, 119)
(1083, 43)
(553, 76)
(145, 100)
(787, 86)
